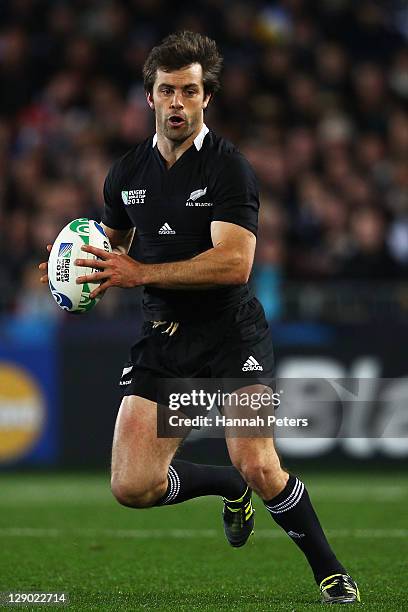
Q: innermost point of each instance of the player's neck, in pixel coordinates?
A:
(171, 150)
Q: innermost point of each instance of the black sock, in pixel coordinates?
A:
(187, 480)
(293, 511)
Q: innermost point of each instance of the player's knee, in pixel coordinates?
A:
(137, 495)
(262, 476)
(256, 472)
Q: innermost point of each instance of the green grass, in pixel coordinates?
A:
(65, 533)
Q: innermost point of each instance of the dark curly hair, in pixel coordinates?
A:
(182, 49)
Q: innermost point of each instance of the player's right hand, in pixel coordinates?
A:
(44, 267)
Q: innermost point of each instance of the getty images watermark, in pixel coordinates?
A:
(236, 407)
(287, 408)
(233, 401)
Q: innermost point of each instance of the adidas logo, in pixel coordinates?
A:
(166, 229)
(251, 364)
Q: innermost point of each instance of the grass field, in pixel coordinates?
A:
(65, 533)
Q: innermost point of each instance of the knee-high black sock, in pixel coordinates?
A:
(187, 480)
(293, 511)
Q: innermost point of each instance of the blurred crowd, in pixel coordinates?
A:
(314, 94)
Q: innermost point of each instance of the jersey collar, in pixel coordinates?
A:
(198, 140)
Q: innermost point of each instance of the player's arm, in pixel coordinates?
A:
(120, 240)
(229, 262)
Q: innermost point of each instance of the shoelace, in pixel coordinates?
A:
(171, 329)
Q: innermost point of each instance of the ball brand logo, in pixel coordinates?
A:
(22, 412)
(81, 227)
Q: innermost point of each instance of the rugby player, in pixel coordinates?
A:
(193, 200)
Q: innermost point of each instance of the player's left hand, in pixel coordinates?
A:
(116, 270)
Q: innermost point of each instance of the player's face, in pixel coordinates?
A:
(178, 100)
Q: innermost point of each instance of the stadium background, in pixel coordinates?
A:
(314, 94)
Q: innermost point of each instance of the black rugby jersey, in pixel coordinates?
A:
(172, 210)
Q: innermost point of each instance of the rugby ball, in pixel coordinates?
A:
(62, 272)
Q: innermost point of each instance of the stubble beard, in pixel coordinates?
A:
(179, 135)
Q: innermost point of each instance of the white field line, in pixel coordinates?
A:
(188, 534)
(78, 495)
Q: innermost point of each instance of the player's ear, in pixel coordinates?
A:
(149, 98)
(206, 100)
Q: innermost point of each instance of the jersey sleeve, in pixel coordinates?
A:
(114, 214)
(235, 193)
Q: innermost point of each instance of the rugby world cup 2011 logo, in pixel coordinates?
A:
(133, 196)
(65, 250)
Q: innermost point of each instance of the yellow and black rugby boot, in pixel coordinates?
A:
(339, 589)
(238, 517)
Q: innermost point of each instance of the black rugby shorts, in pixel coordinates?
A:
(236, 344)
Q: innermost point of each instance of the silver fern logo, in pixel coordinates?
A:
(194, 195)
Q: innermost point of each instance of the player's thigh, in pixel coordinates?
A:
(137, 453)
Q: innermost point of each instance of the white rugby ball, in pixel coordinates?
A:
(62, 273)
